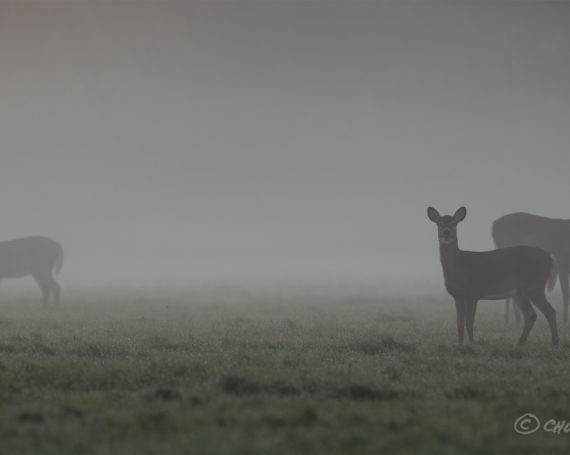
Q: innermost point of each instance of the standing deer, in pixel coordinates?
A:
(36, 256)
(520, 271)
(550, 234)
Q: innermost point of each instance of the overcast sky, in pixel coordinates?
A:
(262, 140)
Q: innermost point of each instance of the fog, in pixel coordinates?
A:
(237, 141)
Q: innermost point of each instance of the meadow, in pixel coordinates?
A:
(298, 370)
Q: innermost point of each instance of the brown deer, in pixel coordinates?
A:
(550, 234)
(35, 256)
(520, 271)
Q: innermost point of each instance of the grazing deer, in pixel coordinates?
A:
(36, 256)
(520, 271)
(550, 234)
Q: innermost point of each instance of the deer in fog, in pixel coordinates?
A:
(519, 271)
(550, 234)
(35, 256)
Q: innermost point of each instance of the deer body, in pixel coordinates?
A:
(480, 275)
(550, 234)
(35, 256)
(471, 276)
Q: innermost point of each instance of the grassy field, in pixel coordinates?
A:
(280, 371)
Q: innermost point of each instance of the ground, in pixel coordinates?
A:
(283, 370)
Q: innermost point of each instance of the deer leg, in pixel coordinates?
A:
(56, 289)
(563, 276)
(507, 304)
(516, 310)
(539, 300)
(460, 308)
(44, 286)
(470, 309)
(45, 295)
(529, 316)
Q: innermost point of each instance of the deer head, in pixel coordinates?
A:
(447, 224)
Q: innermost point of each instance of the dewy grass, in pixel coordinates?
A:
(285, 371)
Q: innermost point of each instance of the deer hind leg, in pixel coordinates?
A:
(48, 285)
(460, 308)
(516, 310)
(529, 316)
(44, 287)
(539, 300)
(56, 290)
(563, 276)
(470, 309)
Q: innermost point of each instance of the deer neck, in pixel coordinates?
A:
(450, 255)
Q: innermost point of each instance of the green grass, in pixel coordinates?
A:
(281, 371)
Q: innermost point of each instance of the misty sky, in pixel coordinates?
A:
(261, 140)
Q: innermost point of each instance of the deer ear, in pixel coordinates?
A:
(433, 214)
(460, 214)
